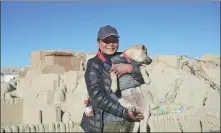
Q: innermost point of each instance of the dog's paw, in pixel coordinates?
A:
(131, 108)
(114, 86)
(148, 81)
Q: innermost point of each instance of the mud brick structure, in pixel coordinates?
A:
(88, 56)
(184, 93)
(67, 59)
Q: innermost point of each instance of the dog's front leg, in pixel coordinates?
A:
(126, 104)
(144, 122)
(113, 82)
(136, 127)
(145, 75)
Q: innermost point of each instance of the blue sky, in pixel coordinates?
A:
(190, 28)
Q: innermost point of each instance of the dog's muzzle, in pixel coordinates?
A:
(148, 61)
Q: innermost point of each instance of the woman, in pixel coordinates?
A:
(109, 115)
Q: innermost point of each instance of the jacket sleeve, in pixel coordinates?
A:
(97, 94)
(136, 74)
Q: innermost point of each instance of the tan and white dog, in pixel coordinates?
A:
(133, 97)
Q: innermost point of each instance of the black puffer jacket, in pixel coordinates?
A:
(98, 82)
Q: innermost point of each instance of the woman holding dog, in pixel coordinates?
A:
(108, 114)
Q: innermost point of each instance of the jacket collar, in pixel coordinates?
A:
(101, 56)
(104, 57)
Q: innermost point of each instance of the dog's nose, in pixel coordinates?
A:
(149, 61)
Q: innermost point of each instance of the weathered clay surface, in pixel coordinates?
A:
(51, 94)
(52, 127)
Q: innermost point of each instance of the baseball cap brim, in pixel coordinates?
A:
(109, 35)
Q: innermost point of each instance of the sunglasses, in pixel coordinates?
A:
(111, 39)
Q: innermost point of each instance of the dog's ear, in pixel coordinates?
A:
(143, 47)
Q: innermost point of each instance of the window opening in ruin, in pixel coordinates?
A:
(58, 114)
(62, 113)
(40, 116)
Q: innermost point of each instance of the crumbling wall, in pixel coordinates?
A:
(210, 61)
(79, 61)
(39, 97)
(36, 58)
(192, 120)
(43, 94)
(47, 127)
(54, 89)
(69, 60)
(8, 73)
(88, 56)
(11, 111)
(176, 94)
(73, 106)
(172, 60)
(175, 61)
(206, 61)
(64, 61)
(46, 85)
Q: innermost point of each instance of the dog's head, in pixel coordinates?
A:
(139, 54)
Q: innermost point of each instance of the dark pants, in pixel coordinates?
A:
(115, 126)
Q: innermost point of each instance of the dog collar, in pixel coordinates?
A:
(126, 56)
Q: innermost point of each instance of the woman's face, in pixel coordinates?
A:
(109, 45)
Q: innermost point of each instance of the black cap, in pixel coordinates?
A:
(106, 31)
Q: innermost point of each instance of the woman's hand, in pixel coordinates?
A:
(135, 115)
(121, 68)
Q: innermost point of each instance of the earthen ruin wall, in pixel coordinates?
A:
(44, 86)
(68, 59)
(50, 127)
(11, 111)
